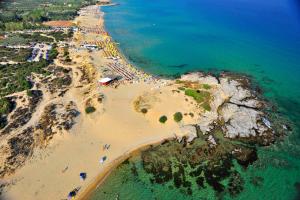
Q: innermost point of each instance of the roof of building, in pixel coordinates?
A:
(105, 80)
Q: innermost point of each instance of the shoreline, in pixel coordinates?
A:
(100, 179)
(123, 126)
(119, 120)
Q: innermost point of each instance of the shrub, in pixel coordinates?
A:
(179, 81)
(90, 109)
(163, 119)
(53, 52)
(195, 94)
(206, 106)
(5, 106)
(68, 59)
(206, 86)
(178, 117)
(3, 122)
(144, 110)
(29, 93)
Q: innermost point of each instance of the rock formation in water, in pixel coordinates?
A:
(229, 131)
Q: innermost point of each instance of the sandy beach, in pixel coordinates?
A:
(149, 100)
(52, 172)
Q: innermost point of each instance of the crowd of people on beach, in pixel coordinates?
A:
(117, 63)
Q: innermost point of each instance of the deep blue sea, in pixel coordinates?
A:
(260, 38)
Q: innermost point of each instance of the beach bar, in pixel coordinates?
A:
(106, 80)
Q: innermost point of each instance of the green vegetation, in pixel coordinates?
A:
(192, 89)
(29, 14)
(198, 95)
(29, 93)
(144, 110)
(201, 97)
(28, 38)
(5, 106)
(20, 15)
(206, 106)
(66, 51)
(60, 35)
(177, 117)
(179, 81)
(90, 109)
(206, 86)
(13, 40)
(67, 54)
(53, 52)
(25, 39)
(3, 122)
(17, 55)
(163, 119)
(14, 78)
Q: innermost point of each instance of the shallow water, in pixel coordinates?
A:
(259, 38)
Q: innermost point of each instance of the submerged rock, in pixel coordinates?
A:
(257, 181)
(212, 141)
(236, 184)
(224, 133)
(198, 163)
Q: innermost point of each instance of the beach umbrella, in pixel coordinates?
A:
(103, 159)
(73, 193)
(82, 176)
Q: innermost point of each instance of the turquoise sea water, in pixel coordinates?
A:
(258, 38)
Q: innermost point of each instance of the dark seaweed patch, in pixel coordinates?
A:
(178, 66)
(236, 184)
(134, 170)
(257, 181)
(297, 186)
(183, 164)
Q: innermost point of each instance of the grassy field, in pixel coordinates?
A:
(199, 92)
(200, 96)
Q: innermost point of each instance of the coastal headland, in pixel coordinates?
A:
(82, 126)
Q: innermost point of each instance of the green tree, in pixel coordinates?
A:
(5, 106)
(178, 117)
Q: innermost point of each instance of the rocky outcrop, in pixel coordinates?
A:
(240, 121)
(224, 135)
(235, 108)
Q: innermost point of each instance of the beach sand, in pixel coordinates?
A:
(53, 172)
